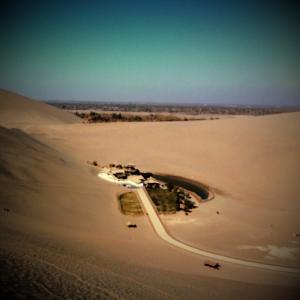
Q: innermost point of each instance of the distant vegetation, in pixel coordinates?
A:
(129, 204)
(171, 200)
(191, 109)
(95, 117)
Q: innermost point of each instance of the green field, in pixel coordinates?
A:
(164, 200)
(171, 200)
(129, 204)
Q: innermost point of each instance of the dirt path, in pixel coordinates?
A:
(163, 234)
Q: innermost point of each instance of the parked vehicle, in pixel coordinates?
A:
(131, 225)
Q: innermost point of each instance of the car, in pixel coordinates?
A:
(212, 265)
(131, 225)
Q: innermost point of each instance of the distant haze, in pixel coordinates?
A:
(152, 51)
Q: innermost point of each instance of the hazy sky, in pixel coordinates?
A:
(152, 51)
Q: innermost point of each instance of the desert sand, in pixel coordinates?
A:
(62, 234)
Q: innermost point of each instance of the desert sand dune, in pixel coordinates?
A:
(251, 161)
(19, 110)
(62, 234)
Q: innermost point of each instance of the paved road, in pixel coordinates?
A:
(161, 231)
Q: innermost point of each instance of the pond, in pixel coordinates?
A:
(201, 190)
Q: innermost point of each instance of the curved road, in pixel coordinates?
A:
(163, 234)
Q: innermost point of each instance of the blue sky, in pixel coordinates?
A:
(226, 52)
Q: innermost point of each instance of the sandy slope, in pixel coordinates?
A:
(17, 110)
(252, 161)
(65, 237)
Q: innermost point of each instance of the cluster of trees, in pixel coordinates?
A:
(171, 199)
(93, 117)
(183, 199)
(174, 108)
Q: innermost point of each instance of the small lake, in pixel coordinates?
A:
(188, 184)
